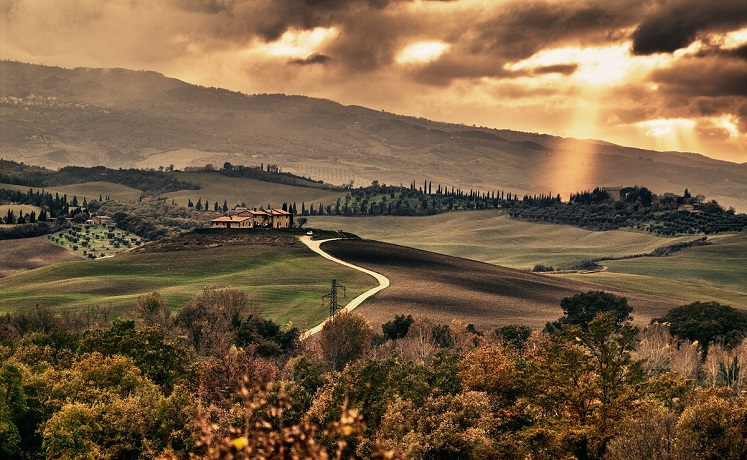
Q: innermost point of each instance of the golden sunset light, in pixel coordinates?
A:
(299, 43)
(373, 229)
(506, 64)
(422, 52)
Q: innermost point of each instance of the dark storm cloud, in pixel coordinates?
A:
(374, 31)
(704, 86)
(709, 77)
(518, 30)
(675, 24)
(313, 59)
(269, 19)
(482, 42)
(205, 6)
(738, 52)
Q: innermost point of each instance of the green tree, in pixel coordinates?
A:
(13, 409)
(442, 427)
(164, 361)
(714, 426)
(706, 322)
(582, 308)
(398, 327)
(514, 335)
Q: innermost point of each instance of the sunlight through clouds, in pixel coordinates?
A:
(671, 134)
(422, 52)
(300, 43)
(602, 66)
(735, 39)
(729, 124)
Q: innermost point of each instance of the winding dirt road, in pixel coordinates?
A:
(314, 245)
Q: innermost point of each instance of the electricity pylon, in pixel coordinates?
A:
(332, 296)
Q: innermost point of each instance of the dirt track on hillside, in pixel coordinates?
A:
(445, 288)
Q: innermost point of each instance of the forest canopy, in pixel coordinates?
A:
(218, 380)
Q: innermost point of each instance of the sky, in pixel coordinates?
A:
(656, 74)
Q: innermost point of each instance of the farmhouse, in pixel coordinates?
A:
(100, 220)
(253, 218)
(614, 192)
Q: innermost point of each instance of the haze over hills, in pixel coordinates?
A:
(54, 117)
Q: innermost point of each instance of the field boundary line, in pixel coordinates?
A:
(314, 245)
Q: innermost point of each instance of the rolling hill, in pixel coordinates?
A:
(703, 273)
(287, 280)
(283, 277)
(118, 118)
(444, 288)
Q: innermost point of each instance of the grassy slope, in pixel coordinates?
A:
(128, 117)
(445, 288)
(287, 282)
(89, 190)
(213, 187)
(255, 193)
(29, 253)
(491, 236)
(715, 272)
(18, 207)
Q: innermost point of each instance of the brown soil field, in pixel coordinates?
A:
(29, 253)
(444, 288)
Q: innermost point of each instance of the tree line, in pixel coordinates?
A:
(148, 181)
(217, 380)
(638, 209)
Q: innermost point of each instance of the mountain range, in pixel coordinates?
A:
(53, 117)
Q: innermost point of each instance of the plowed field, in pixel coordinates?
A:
(445, 288)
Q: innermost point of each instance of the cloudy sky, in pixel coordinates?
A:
(661, 74)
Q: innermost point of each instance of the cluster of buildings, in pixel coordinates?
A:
(254, 218)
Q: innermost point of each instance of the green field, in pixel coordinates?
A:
(286, 282)
(25, 208)
(493, 237)
(714, 272)
(235, 190)
(213, 187)
(89, 190)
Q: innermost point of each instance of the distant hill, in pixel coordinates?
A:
(54, 117)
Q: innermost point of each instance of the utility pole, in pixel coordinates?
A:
(332, 296)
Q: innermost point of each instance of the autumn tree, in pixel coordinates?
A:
(152, 310)
(212, 318)
(344, 338)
